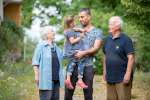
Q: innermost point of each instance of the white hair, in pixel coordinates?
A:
(44, 31)
(116, 20)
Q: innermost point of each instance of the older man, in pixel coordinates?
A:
(92, 42)
(118, 62)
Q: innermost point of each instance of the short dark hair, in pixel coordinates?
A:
(87, 10)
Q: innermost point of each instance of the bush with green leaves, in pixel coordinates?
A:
(11, 38)
(135, 13)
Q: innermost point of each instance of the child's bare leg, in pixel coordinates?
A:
(68, 83)
(68, 77)
(80, 80)
(80, 83)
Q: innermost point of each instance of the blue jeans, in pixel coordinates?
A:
(76, 63)
(50, 94)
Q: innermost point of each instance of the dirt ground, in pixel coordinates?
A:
(138, 91)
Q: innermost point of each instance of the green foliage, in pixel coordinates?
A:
(15, 79)
(10, 38)
(54, 20)
(135, 13)
(138, 11)
(11, 92)
(98, 62)
(27, 6)
(143, 80)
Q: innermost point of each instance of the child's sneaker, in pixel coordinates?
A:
(82, 84)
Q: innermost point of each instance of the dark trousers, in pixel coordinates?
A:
(50, 94)
(88, 76)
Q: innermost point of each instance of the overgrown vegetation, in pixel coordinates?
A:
(11, 40)
(16, 78)
(135, 13)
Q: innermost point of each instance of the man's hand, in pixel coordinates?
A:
(104, 77)
(82, 35)
(127, 77)
(79, 54)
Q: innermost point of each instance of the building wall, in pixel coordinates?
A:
(1, 10)
(13, 12)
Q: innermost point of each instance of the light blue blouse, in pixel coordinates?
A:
(42, 57)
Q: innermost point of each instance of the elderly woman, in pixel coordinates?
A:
(47, 67)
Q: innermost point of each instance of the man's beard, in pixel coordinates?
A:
(84, 25)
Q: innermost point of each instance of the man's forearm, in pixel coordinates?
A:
(91, 51)
(130, 63)
(104, 68)
(94, 49)
(104, 65)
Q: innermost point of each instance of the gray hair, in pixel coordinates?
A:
(44, 31)
(117, 20)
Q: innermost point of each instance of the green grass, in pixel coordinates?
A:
(141, 85)
(17, 83)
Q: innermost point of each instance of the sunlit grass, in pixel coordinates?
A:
(17, 83)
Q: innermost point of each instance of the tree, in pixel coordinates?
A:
(138, 11)
(11, 39)
(136, 14)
